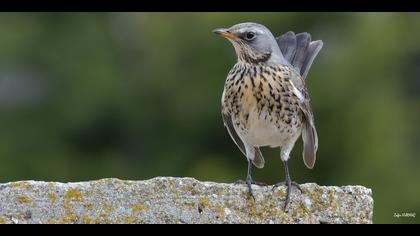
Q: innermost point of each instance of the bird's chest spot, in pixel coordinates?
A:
(263, 107)
(262, 104)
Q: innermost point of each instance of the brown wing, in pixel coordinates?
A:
(258, 160)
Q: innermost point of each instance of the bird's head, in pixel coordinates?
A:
(253, 43)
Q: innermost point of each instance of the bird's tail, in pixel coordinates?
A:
(310, 144)
(299, 50)
(258, 160)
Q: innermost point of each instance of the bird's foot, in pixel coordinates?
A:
(288, 184)
(249, 182)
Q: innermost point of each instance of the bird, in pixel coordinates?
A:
(265, 101)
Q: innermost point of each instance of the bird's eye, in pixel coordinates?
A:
(249, 36)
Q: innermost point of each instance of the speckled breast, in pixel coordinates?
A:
(259, 98)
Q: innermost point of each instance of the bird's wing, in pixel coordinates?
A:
(309, 134)
(258, 160)
(299, 50)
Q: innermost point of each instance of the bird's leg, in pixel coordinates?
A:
(249, 180)
(289, 183)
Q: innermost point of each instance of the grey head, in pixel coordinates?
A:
(253, 43)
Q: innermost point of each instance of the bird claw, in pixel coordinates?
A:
(249, 184)
(288, 185)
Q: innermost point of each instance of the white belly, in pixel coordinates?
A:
(262, 132)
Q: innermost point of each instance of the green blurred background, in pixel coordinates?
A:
(85, 96)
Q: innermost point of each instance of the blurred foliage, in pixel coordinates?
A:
(136, 95)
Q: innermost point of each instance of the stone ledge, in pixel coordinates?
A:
(178, 200)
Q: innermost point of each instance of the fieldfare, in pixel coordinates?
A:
(265, 101)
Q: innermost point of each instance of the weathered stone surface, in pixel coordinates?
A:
(178, 200)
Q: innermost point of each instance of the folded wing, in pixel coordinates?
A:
(258, 159)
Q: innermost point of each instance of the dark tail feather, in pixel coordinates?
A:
(302, 43)
(310, 144)
(313, 49)
(287, 44)
(298, 50)
(258, 159)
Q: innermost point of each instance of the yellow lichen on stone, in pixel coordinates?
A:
(103, 217)
(23, 199)
(99, 192)
(316, 199)
(140, 207)
(190, 205)
(73, 195)
(330, 196)
(299, 212)
(21, 184)
(51, 221)
(88, 206)
(52, 197)
(204, 202)
(270, 211)
(108, 208)
(250, 204)
(86, 219)
(180, 201)
(218, 208)
(129, 220)
(245, 195)
(282, 194)
(334, 208)
(69, 218)
(192, 189)
(220, 211)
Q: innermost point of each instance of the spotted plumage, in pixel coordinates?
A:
(261, 95)
(265, 101)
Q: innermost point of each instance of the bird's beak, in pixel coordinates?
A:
(225, 33)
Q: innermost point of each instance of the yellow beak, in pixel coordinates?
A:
(225, 33)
